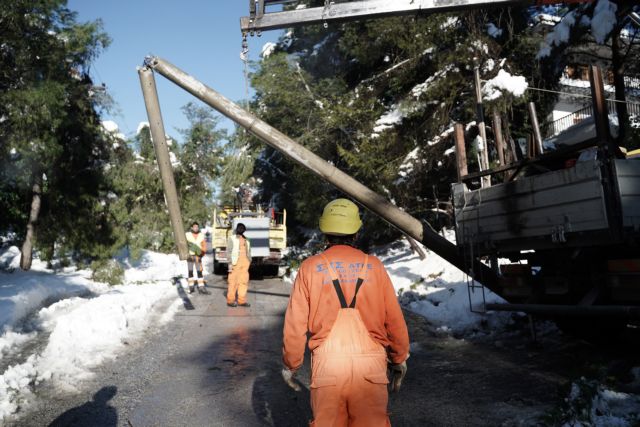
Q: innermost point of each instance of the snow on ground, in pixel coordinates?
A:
(592, 404)
(432, 287)
(437, 290)
(70, 324)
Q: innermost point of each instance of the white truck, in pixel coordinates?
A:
(266, 230)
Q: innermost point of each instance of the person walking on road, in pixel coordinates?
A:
(344, 301)
(239, 251)
(197, 249)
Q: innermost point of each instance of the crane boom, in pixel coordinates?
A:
(258, 20)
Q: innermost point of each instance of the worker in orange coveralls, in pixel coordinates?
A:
(239, 252)
(345, 300)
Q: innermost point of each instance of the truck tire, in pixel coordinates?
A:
(219, 268)
(597, 331)
(270, 270)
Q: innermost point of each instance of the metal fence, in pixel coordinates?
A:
(563, 123)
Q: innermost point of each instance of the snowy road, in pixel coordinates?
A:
(217, 366)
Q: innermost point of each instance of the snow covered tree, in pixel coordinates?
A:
(378, 99)
(201, 161)
(604, 34)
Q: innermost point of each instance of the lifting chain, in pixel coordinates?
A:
(244, 56)
(244, 52)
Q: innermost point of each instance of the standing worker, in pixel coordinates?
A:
(197, 249)
(239, 250)
(352, 342)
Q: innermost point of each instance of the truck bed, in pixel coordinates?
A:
(560, 207)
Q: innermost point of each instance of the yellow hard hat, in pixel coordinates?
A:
(340, 218)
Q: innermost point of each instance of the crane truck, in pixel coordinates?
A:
(571, 234)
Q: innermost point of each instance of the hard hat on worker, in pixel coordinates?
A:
(340, 218)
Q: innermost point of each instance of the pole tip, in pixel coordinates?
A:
(150, 61)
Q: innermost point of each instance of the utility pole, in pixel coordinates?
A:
(150, 94)
(484, 153)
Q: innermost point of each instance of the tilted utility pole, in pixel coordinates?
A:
(309, 160)
(150, 93)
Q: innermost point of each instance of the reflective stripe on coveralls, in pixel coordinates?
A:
(349, 369)
(239, 276)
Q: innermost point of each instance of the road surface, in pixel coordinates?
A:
(220, 366)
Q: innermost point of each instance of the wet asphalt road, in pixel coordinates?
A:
(220, 366)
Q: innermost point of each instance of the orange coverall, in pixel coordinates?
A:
(239, 276)
(350, 339)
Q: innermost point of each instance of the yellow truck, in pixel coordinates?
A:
(266, 229)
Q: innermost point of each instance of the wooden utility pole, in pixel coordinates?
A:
(461, 152)
(484, 153)
(150, 94)
(497, 133)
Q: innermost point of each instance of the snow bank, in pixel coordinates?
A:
(436, 289)
(153, 267)
(591, 404)
(504, 82)
(432, 287)
(10, 258)
(72, 336)
(22, 292)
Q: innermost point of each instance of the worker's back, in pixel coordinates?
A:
(376, 299)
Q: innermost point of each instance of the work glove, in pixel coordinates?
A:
(398, 371)
(288, 377)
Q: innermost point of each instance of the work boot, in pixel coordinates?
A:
(244, 304)
(190, 290)
(203, 290)
(232, 304)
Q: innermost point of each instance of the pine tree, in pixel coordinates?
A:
(378, 99)
(201, 162)
(52, 146)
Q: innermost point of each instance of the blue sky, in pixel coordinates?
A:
(201, 37)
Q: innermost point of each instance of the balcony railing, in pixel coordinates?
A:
(563, 123)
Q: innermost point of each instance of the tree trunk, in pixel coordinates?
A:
(617, 64)
(27, 246)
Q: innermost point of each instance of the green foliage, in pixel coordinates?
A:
(107, 271)
(50, 129)
(136, 204)
(378, 99)
(201, 163)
